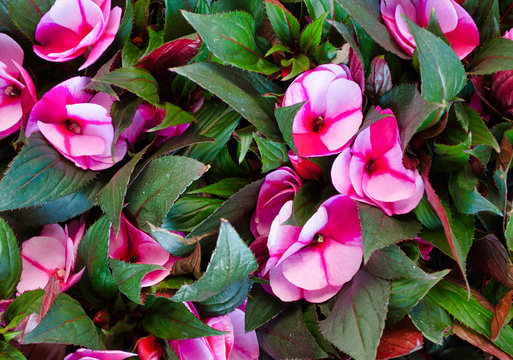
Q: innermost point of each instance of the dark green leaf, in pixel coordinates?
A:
(357, 320)
(284, 24)
(226, 301)
(22, 306)
(285, 118)
(443, 75)
(189, 211)
(380, 230)
(231, 37)
(128, 277)
(39, 174)
(10, 266)
(122, 113)
(172, 242)
(158, 186)
(130, 54)
(261, 308)
(93, 254)
(300, 64)
(66, 323)
(246, 138)
(238, 89)
(306, 202)
(9, 352)
(224, 188)
(125, 27)
(170, 320)
(174, 116)
(231, 262)
(273, 154)
(431, 319)
(26, 14)
(175, 24)
(480, 132)
(311, 35)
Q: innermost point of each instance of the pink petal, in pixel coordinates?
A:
(345, 230)
(55, 231)
(306, 269)
(407, 205)
(445, 13)
(341, 261)
(45, 252)
(384, 135)
(11, 112)
(32, 277)
(189, 349)
(319, 296)
(283, 288)
(310, 145)
(11, 52)
(342, 96)
(221, 345)
(356, 173)
(296, 92)
(281, 237)
(339, 131)
(245, 345)
(340, 172)
(465, 37)
(87, 354)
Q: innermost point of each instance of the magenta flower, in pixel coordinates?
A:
(456, 24)
(332, 113)
(87, 354)
(17, 92)
(315, 261)
(135, 246)
(78, 124)
(305, 168)
(279, 187)
(75, 27)
(372, 171)
(425, 248)
(501, 90)
(235, 345)
(53, 252)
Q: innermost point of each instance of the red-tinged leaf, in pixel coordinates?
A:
(489, 256)
(284, 24)
(500, 313)
(505, 155)
(495, 55)
(479, 341)
(52, 289)
(403, 338)
(189, 264)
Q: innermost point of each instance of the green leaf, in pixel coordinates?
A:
(10, 266)
(174, 116)
(285, 118)
(481, 135)
(122, 113)
(246, 138)
(93, 253)
(226, 301)
(238, 89)
(357, 320)
(380, 230)
(157, 187)
(284, 24)
(300, 64)
(231, 262)
(26, 14)
(367, 14)
(306, 202)
(495, 55)
(431, 319)
(278, 47)
(443, 75)
(311, 35)
(169, 320)
(112, 196)
(133, 79)
(273, 154)
(224, 188)
(39, 174)
(9, 352)
(125, 27)
(175, 24)
(128, 277)
(231, 37)
(189, 211)
(130, 54)
(66, 323)
(261, 308)
(22, 306)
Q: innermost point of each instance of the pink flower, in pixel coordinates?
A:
(279, 187)
(501, 90)
(17, 92)
(148, 348)
(315, 261)
(135, 246)
(53, 252)
(456, 24)
(236, 345)
(425, 248)
(332, 113)
(87, 354)
(147, 117)
(372, 171)
(78, 124)
(75, 27)
(305, 168)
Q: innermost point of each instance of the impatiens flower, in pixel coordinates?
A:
(149, 348)
(135, 246)
(372, 171)
(332, 111)
(501, 90)
(279, 187)
(78, 124)
(457, 25)
(53, 252)
(17, 92)
(305, 168)
(235, 345)
(425, 248)
(315, 261)
(75, 27)
(87, 354)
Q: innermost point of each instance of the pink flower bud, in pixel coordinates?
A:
(149, 348)
(305, 168)
(456, 24)
(17, 92)
(87, 354)
(75, 27)
(332, 112)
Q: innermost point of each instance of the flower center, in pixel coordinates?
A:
(61, 273)
(318, 238)
(73, 127)
(12, 90)
(317, 124)
(370, 166)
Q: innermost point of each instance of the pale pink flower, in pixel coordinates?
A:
(17, 92)
(372, 171)
(75, 27)
(457, 25)
(87, 354)
(305, 168)
(332, 112)
(78, 124)
(53, 252)
(315, 261)
(135, 246)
